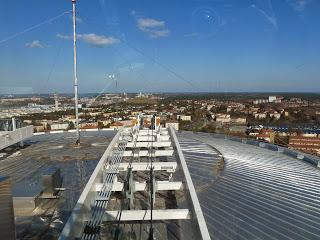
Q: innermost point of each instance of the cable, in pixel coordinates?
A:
(165, 67)
(32, 28)
(53, 66)
(101, 92)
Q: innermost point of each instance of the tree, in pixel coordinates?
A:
(71, 125)
(100, 125)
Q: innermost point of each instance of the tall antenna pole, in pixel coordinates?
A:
(75, 70)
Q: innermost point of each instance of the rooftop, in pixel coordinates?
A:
(41, 153)
(259, 194)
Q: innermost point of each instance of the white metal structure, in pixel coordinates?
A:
(145, 166)
(75, 69)
(144, 215)
(93, 207)
(137, 186)
(8, 138)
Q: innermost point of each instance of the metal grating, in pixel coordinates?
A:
(92, 228)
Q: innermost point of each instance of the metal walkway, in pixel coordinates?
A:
(91, 229)
(141, 186)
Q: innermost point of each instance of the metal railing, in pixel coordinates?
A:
(8, 138)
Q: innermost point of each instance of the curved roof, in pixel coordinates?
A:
(260, 194)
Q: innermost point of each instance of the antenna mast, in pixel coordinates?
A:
(75, 70)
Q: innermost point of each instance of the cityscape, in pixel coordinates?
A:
(286, 120)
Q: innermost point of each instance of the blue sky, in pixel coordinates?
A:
(167, 46)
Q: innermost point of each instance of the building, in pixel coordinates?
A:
(305, 144)
(116, 125)
(59, 126)
(260, 115)
(172, 123)
(239, 120)
(266, 134)
(88, 125)
(223, 118)
(238, 129)
(38, 128)
(275, 115)
(260, 101)
(275, 99)
(184, 117)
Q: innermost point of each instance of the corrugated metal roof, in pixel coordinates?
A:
(260, 194)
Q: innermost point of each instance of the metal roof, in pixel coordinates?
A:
(260, 194)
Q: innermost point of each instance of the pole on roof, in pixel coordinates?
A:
(75, 71)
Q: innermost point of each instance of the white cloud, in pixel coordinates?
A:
(98, 40)
(299, 5)
(92, 39)
(154, 28)
(144, 23)
(35, 44)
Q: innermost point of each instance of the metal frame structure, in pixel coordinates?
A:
(17, 135)
(145, 147)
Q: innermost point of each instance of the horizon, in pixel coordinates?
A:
(178, 93)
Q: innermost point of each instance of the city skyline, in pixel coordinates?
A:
(207, 46)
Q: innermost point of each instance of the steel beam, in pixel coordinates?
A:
(148, 144)
(196, 208)
(138, 187)
(145, 153)
(144, 215)
(145, 166)
(149, 138)
(149, 132)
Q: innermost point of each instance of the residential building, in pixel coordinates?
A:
(223, 118)
(172, 123)
(260, 115)
(239, 120)
(59, 126)
(306, 144)
(184, 117)
(266, 134)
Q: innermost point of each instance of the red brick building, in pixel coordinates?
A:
(305, 144)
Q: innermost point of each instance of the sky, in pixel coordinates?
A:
(160, 46)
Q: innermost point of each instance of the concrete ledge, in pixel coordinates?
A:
(39, 133)
(57, 131)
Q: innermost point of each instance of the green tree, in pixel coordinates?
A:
(71, 125)
(100, 125)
